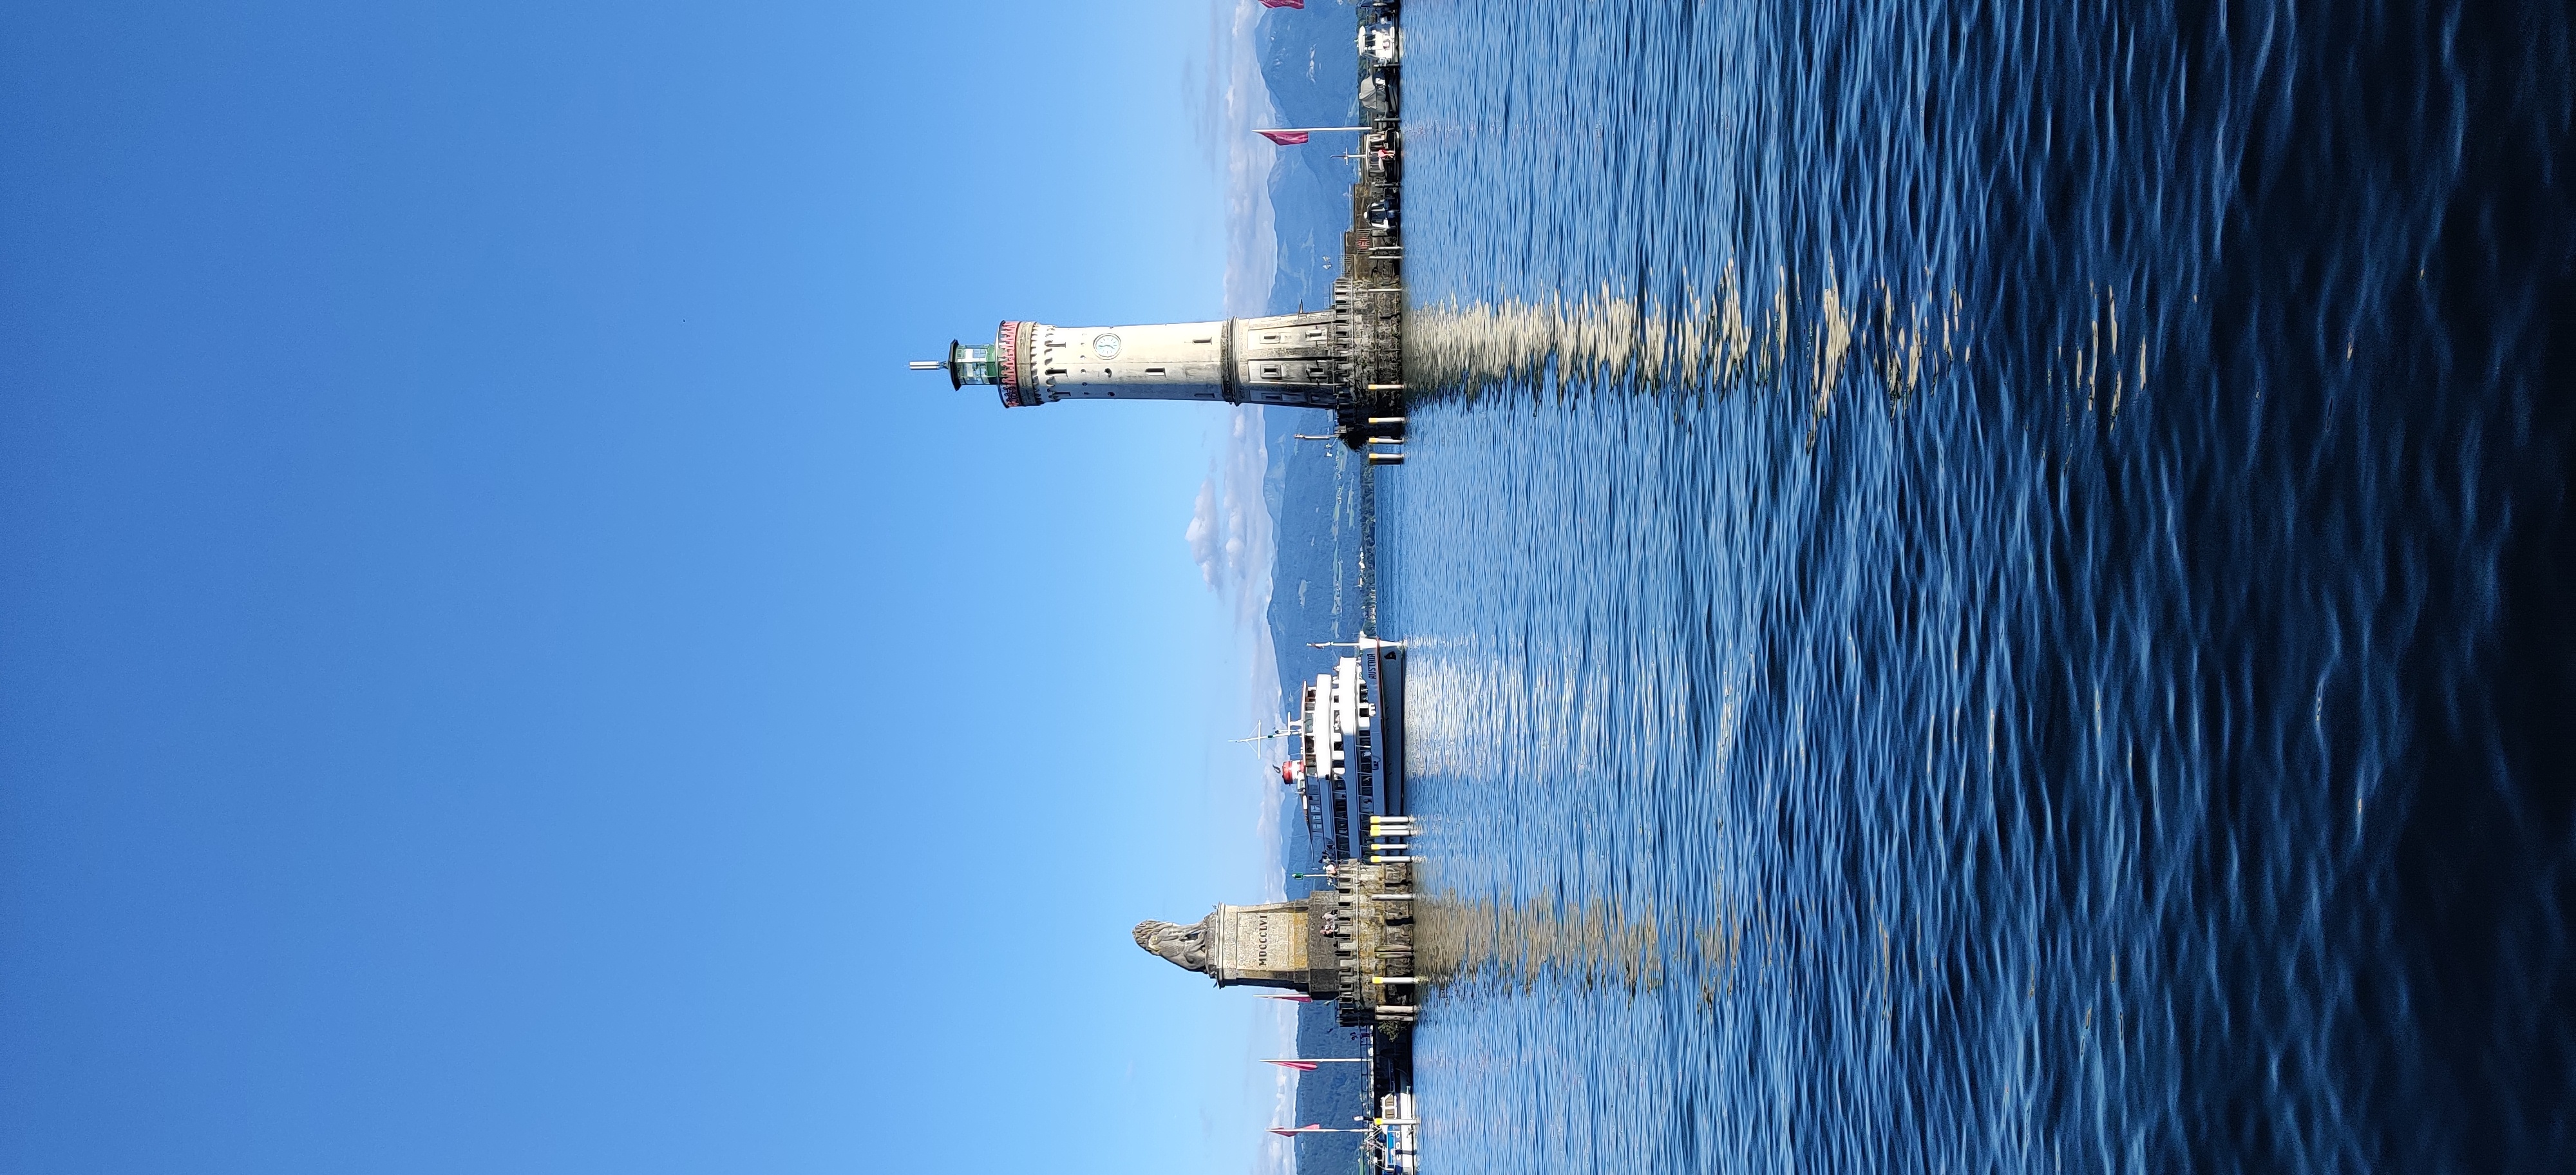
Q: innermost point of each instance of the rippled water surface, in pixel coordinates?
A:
(1989, 586)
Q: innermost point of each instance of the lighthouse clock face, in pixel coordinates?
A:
(1105, 346)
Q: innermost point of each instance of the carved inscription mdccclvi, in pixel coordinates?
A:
(1270, 940)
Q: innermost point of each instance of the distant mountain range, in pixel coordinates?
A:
(1310, 64)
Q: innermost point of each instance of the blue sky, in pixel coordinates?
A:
(501, 669)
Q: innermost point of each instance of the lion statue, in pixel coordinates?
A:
(1185, 946)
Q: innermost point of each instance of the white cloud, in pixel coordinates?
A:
(1252, 242)
(1202, 532)
(1233, 495)
(1230, 529)
(1251, 263)
(1231, 533)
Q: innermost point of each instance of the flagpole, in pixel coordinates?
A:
(1304, 130)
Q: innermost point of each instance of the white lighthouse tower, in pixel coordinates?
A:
(1292, 360)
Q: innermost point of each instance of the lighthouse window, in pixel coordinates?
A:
(1153, 371)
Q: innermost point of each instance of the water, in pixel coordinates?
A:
(1988, 586)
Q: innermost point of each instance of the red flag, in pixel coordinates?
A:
(1284, 138)
(1303, 999)
(1285, 1131)
(1283, 3)
(1300, 1066)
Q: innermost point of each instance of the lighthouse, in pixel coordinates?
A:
(1348, 358)
(1290, 360)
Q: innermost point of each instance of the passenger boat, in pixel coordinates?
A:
(1335, 758)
